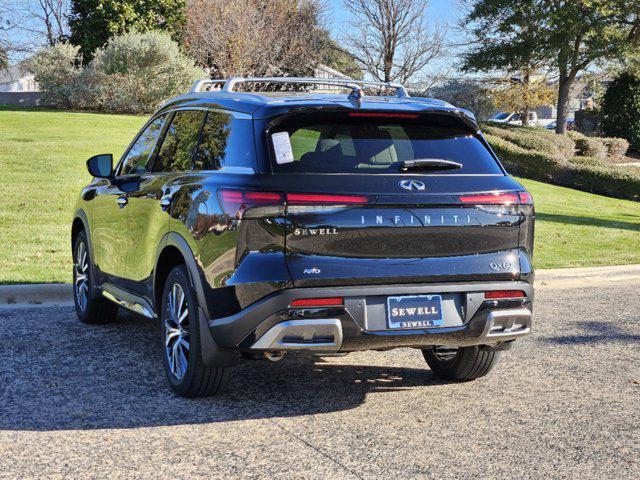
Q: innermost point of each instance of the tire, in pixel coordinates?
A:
(460, 363)
(180, 340)
(89, 308)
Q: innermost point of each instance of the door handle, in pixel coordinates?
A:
(122, 200)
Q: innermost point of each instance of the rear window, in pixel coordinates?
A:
(343, 144)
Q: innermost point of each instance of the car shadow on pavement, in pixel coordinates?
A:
(60, 374)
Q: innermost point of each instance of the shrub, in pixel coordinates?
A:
(591, 147)
(137, 71)
(535, 139)
(616, 147)
(575, 136)
(523, 162)
(133, 73)
(56, 69)
(589, 174)
(621, 109)
(612, 182)
(592, 161)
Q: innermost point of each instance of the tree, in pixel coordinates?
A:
(581, 33)
(565, 35)
(94, 22)
(337, 58)
(391, 40)
(45, 20)
(5, 27)
(523, 95)
(254, 37)
(4, 58)
(32, 24)
(621, 109)
(467, 94)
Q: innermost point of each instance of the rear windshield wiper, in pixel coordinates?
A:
(429, 164)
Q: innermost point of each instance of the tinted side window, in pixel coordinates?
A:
(178, 146)
(137, 158)
(225, 140)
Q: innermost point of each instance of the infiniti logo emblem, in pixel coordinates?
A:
(412, 185)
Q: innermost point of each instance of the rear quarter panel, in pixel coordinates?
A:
(241, 260)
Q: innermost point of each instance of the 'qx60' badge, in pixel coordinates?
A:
(412, 185)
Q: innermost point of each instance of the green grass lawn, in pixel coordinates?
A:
(42, 165)
(578, 229)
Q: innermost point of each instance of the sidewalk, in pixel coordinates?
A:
(61, 294)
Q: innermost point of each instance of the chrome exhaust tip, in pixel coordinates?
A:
(313, 334)
(274, 356)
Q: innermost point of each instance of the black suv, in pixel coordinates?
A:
(254, 223)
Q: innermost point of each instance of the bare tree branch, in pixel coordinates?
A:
(253, 37)
(42, 22)
(391, 39)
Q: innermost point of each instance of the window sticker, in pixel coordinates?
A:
(282, 147)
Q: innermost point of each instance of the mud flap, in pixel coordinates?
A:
(212, 354)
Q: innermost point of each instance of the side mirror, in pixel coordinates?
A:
(101, 166)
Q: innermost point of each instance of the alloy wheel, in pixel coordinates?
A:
(81, 280)
(176, 328)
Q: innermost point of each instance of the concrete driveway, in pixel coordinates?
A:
(91, 401)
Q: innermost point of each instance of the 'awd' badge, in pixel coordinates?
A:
(311, 271)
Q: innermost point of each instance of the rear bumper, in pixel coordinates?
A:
(361, 323)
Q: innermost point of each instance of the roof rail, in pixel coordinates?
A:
(356, 86)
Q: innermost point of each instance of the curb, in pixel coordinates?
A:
(49, 294)
(586, 277)
(61, 294)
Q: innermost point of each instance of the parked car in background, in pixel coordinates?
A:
(252, 224)
(514, 118)
(571, 125)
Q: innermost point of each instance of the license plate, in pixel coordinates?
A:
(416, 311)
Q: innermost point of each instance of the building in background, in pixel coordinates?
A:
(17, 79)
(19, 88)
(326, 72)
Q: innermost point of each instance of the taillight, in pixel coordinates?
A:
(318, 302)
(502, 294)
(323, 199)
(522, 198)
(525, 198)
(235, 202)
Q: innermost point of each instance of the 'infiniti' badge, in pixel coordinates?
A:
(412, 185)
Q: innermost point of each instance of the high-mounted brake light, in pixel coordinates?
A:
(522, 198)
(383, 115)
(318, 302)
(502, 294)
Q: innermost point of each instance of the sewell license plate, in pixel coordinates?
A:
(415, 311)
